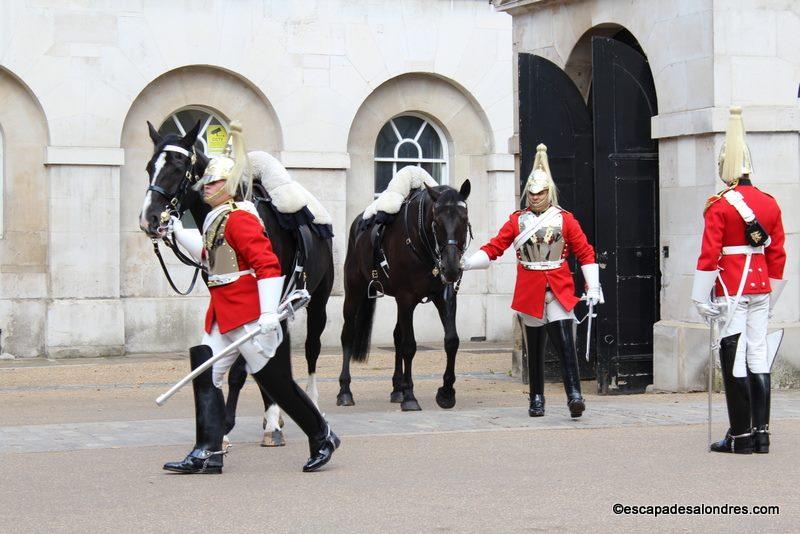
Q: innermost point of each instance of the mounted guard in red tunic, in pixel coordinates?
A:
(544, 235)
(738, 280)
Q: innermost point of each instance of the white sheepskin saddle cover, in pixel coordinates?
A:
(390, 201)
(287, 195)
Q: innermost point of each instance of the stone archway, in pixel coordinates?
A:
(466, 128)
(441, 101)
(25, 229)
(155, 320)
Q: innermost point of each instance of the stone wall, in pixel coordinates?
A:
(705, 56)
(297, 74)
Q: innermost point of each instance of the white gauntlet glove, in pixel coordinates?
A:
(777, 288)
(591, 275)
(704, 282)
(269, 296)
(479, 260)
(190, 238)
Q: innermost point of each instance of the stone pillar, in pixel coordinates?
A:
(85, 316)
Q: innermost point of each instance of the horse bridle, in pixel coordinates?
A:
(173, 207)
(434, 250)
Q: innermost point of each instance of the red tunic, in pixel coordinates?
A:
(531, 285)
(725, 227)
(237, 303)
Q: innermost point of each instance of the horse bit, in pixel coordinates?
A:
(435, 251)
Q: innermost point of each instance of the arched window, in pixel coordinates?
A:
(409, 140)
(213, 130)
(211, 139)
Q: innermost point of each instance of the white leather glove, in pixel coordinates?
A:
(777, 288)
(190, 239)
(594, 293)
(269, 297)
(704, 282)
(479, 260)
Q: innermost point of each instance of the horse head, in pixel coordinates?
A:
(450, 227)
(170, 172)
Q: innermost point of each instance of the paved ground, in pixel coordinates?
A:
(82, 443)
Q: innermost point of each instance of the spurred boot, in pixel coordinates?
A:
(759, 407)
(560, 334)
(739, 438)
(209, 414)
(535, 339)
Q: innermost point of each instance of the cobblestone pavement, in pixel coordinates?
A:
(602, 412)
(82, 444)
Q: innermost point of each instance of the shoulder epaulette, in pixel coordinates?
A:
(713, 198)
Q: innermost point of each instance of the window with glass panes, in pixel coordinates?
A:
(409, 140)
(211, 139)
(213, 130)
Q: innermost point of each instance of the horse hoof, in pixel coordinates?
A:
(410, 406)
(396, 397)
(445, 400)
(345, 399)
(273, 439)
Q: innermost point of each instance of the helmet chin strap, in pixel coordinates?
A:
(208, 200)
(539, 207)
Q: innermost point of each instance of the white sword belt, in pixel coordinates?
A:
(541, 265)
(227, 278)
(742, 249)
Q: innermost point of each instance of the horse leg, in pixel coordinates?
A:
(446, 306)
(236, 379)
(397, 378)
(345, 396)
(315, 324)
(405, 318)
(273, 427)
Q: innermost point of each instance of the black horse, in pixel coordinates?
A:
(423, 246)
(171, 173)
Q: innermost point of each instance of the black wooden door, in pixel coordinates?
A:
(552, 111)
(626, 200)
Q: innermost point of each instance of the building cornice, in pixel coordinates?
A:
(715, 120)
(512, 7)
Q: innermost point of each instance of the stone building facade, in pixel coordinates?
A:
(704, 56)
(312, 82)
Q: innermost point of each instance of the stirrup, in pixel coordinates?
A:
(375, 290)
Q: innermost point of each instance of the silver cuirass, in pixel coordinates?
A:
(544, 246)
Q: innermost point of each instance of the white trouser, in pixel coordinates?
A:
(750, 320)
(256, 352)
(553, 311)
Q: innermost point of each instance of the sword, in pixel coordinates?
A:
(588, 318)
(711, 343)
(297, 299)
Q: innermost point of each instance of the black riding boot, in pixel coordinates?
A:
(739, 438)
(209, 414)
(760, 400)
(535, 339)
(560, 334)
(277, 381)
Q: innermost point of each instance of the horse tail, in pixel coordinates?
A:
(364, 313)
(362, 328)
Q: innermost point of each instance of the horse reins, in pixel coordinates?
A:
(173, 207)
(433, 250)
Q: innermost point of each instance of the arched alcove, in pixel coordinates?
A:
(442, 102)
(24, 238)
(154, 322)
(225, 94)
